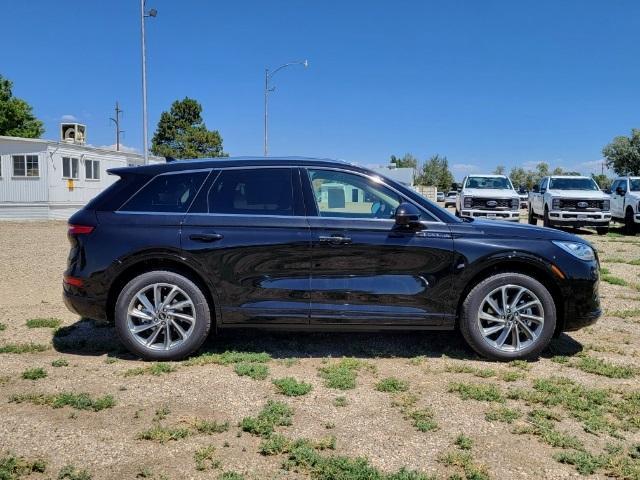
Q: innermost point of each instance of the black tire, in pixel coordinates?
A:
(201, 312)
(457, 213)
(602, 230)
(470, 328)
(532, 218)
(545, 219)
(629, 223)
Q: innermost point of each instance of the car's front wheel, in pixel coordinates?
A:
(162, 315)
(508, 316)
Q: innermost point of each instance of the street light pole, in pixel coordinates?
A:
(143, 14)
(268, 89)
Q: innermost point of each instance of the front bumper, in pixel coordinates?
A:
(581, 294)
(510, 215)
(579, 219)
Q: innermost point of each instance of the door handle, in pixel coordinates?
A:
(206, 237)
(334, 239)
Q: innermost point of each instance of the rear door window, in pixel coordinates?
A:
(171, 193)
(258, 191)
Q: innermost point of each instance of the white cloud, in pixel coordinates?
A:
(123, 148)
(68, 118)
(459, 170)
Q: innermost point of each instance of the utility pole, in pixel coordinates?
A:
(144, 14)
(116, 121)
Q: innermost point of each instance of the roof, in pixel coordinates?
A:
(44, 141)
(495, 175)
(568, 176)
(221, 162)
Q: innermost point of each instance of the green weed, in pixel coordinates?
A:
(290, 387)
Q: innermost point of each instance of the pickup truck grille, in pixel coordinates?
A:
(491, 203)
(572, 204)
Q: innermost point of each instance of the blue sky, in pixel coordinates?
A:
(482, 82)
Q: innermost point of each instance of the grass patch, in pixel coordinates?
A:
(290, 387)
(613, 280)
(23, 348)
(392, 385)
(43, 323)
(604, 271)
(423, 419)
(463, 442)
(257, 371)
(60, 362)
(628, 313)
(274, 414)
(231, 476)
(541, 424)
(162, 434)
(159, 368)
(606, 369)
(342, 375)
(34, 373)
(79, 401)
(478, 372)
(2, 327)
(12, 467)
(616, 462)
(204, 458)
(70, 472)
(340, 401)
(463, 460)
(520, 364)
(511, 376)
(228, 358)
(503, 414)
(278, 444)
(209, 427)
(477, 391)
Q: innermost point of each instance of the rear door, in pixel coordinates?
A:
(363, 270)
(248, 233)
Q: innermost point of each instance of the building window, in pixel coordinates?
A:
(70, 168)
(92, 169)
(26, 166)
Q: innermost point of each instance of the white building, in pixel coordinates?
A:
(47, 179)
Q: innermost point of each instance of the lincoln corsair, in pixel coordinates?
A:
(174, 251)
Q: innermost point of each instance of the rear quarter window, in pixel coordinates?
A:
(171, 193)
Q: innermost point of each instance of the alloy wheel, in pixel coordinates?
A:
(161, 316)
(511, 318)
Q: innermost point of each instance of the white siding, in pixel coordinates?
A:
(24, 189)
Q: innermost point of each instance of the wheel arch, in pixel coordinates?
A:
(527, 267)
(171, 264)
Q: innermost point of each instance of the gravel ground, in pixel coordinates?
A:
(371, 425)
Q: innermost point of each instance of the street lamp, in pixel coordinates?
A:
(143, 14)
(268, 89)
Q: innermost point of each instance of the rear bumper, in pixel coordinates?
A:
(84, 306)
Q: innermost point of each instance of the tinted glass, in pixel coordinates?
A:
(635, 184)
(167, 193)
(340, 194)
(260, 191)
(489, 182)
(569, 183)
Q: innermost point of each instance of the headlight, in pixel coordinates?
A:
(606, 205)
(555, 204)
(578, 250)
(467, 202)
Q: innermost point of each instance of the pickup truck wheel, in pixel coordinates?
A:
(602, 230)
(161, 315)
(629, 224)
(508, 316)
(457, 213)
(545, 218)
(532, 218)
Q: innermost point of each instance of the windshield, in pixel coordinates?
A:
(568, 183)
(634, 183)
(489, 182)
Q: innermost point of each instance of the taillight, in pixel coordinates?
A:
(73, 281)
(80, 229)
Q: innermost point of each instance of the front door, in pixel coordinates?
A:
(617, 200)
(248, 232)
(365, 271)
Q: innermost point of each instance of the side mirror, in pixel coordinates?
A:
(407, 216)
(620, 191)
(536, 188)
(607, 191)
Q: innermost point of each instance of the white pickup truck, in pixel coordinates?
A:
(625, 202)
(488, 196)
(570, 201)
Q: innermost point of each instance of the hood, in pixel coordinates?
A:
(489, 193)
(522, 230)
(591, 194)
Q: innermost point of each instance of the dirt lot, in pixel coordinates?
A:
(423, 402)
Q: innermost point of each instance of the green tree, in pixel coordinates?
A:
(16, 117)
(407, 161)
(435, 172)
(518, 176)
(623, 154)
(181, 133)
(499, 170)
(602, 180)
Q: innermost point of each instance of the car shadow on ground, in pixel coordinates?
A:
(90, 338)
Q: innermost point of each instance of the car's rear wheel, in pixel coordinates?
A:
(508, 316)
(162, 315)
(629, 224)
(545, 219)
(602, 230)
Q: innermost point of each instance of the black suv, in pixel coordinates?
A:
(170, 251)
